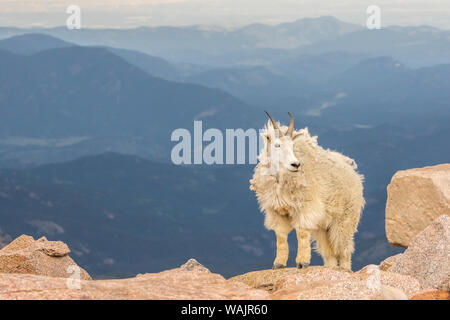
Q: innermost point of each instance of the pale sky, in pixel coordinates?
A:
(227, 13)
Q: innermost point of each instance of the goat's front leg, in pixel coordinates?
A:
(282, 250)
(281, 225)
(304, 248)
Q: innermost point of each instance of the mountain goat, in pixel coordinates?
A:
(299, 185)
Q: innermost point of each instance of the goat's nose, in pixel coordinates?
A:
(295, 164)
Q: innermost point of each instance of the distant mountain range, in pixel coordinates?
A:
(177, 42)
(90, 92)
(260, 44)
(414, 46)
(31, 43)
(69, 101)
(306, 84)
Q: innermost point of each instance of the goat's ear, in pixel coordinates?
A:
(266, 136)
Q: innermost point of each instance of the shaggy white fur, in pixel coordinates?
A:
(323, 198)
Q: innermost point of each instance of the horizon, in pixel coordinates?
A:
(118, 14)
(212, 26)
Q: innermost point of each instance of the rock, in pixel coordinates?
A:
(338, 290)
(53, 248)
(312, 275)
(193, 264)
(405, 283)
(387, 263)
(39, 257)
(179, 284)
(332, 284)
(432, 295)
(264, 279)
(20, 243)
(416, 198)
(428, 256)
(390, 293)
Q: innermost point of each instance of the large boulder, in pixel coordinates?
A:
(332, 284)
(428, 256)
(416, 197)
(189, 282)
(39, 257)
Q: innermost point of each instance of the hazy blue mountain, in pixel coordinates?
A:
(382, 90)
(158, 67)
(123, 215)
(155, 66)
(415, 46)
(82, 91)
(32, 43)
(27, 44)
(317, 68)
(262, 44)
(255, 85)
(64, 103)
(288, 84)
(190, 44)
(7, 32)
(294, 34)
(341, 90)
(84, 100)
(259, 44)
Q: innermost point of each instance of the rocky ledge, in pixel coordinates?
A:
(37, 269)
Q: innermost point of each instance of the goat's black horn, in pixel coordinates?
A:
(275, 125)
(290, 130)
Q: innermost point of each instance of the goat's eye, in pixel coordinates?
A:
(277, 145)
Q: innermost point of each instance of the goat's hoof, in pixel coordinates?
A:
(278, 266)
(302, 265)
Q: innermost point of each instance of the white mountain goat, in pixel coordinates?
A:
(301, 186)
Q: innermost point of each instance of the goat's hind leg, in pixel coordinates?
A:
(304, 248)
(343, 244)
(345, 251)
(324, 248)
